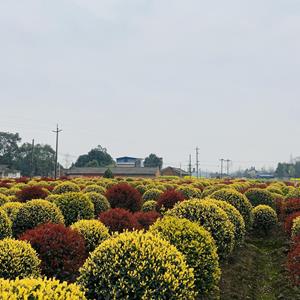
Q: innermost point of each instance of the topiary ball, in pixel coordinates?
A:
(66, 187)
(189, 192)
(100, 202)
(74, 207)
(152, 194)
(119, 219)
(11, 209)
(168, 199)
(239, 201)
(235, 218)
(123, 195)
(41, 288)
(18, 259)
(198, 247)
(212, 218)
(149, 205)
(3, 199)
(296, 227)
(145, 219)
(34, 213)
(61, 249)
(264, 218)
(260, 196)
(32, 192)
(5, 225)
(93, 232)
(95, 189)
(137, 265)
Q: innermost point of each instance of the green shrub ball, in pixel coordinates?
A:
(198, 247)
(18, 259)
(137, 265)
(34, 213)
(264, 218)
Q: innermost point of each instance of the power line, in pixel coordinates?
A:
(57, 131)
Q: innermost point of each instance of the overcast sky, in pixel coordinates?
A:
(162, 76)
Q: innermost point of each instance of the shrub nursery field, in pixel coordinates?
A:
(163, 238)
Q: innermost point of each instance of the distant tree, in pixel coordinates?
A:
(98, 154)
(153, 161)
(8, 147)
(43, 160)
(108, 174)
(92, 164)
(287, 170)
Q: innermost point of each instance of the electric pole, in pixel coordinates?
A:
(197, 161)
(222, 161)
(32, 159)
(57, 131)
(190, 165)
(228, 161)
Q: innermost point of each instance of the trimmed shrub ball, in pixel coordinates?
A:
(3, 199)
(209, 190)
(235, 218)
(145, 219)
(149, 205)
(168, 199)
(41, 288)
(198, 247)
(152, 194)
(11, 209)
(189, 192)
(18, 259)
(74, 207)
(212, 218)
(34, 213)
(5, 225)
(119, 219)
(264, 218)
(61, 249)
(32, 192)
(66, 187)
(100, 202)
(260, 196)
(93, 232)
(94, 188)
(123, 195)
(239, 201)
(288, 223)
(137, 265)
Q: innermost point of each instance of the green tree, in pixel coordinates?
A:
(98, 154)
(43, 160)
(8, 147)
(92, 164)
(153, 161)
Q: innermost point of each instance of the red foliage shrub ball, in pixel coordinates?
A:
(119, 219)
(31, 192)
(123, 195)
(289, 221)
(168, 199)
(293, 262)
(146, 219)
(61, 249)
(290, 205)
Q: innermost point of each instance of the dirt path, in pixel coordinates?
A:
(257, 271)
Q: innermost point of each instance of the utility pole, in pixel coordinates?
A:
(222, 161)
(228, 161)
(180, 170)
(57, 131)
(32, 160)
(197, 161)
(190, 165)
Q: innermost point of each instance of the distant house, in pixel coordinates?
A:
(171, 171)
(6, 172)
(127, 161)
(117, 172)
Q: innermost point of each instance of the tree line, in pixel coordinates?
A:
(40, 159)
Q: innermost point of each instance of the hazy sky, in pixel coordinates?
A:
(162, 76)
